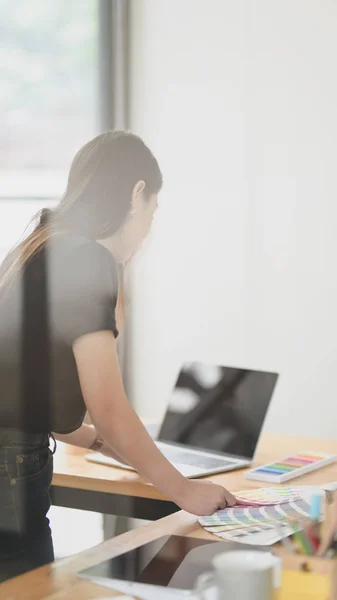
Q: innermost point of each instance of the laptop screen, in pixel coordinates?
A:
(219, 409)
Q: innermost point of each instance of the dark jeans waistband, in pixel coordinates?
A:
(15, 437)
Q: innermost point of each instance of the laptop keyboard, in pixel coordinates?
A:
(195, 460)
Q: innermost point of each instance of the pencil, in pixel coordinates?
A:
(312, 533)
(302, 540)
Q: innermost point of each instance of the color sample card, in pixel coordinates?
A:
(257, 525)
(245, 516)
(265, 496)
(257, 535)
(263, 525)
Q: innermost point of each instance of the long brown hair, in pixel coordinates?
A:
(97, 199)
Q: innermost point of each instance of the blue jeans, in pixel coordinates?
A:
(26, 469)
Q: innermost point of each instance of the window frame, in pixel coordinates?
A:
(113, 59)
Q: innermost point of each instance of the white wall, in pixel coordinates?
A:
(238, 100)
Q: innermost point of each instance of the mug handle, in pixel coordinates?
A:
(203, 583)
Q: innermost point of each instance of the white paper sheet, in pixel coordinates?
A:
(143, 591)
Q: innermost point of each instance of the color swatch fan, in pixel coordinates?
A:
(267, 496)
(263, 516)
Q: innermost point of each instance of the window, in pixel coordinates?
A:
(49, 100)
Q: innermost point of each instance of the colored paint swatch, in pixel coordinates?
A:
(239, 517)
(266, 496)
(262, 535)
(261, 525)
(291, 467)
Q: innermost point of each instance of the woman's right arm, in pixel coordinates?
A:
(116, 421)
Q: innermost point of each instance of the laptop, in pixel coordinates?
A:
(213, 419)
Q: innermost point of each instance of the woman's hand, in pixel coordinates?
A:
(203, 498)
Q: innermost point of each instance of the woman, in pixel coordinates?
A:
(61, 307)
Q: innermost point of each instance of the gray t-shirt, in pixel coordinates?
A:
(65, 291)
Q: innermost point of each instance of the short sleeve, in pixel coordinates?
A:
(88, 291)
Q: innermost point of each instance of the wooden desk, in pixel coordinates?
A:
(80, 484)
(59, 581)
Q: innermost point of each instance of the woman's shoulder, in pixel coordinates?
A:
(72, 245)
(83, 288)
(82, 261)
(78, 249)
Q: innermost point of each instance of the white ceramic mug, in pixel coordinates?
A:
(241, 575)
